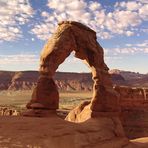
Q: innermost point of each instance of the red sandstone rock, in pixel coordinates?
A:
(74, 36)
(82, 113)
(45, 95)
(54, 132)
(66, 81)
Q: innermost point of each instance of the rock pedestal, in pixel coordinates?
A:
(45, 95)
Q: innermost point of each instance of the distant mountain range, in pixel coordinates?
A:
(130, 78)
(66, 81)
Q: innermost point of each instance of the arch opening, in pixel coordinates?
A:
(74, 86)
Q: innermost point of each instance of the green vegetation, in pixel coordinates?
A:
(18, 99)
(69, 100)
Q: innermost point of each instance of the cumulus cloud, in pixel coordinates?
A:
(143, 12)
(139, 6)
(13, 13)
(141, 47)
(43, 30)
(123, 20)
(18, 58)
(143, 1)
(129, 5)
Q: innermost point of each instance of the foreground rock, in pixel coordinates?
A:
(54, 132)
(8, 111)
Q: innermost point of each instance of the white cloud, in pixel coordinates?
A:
(77, 10)
(139, 6)
(133, 5)
(143, 1)
(94, 6)
(123, 20)
(128, 45)
(143, 12)
(145, 30)
(129, 5)
(129, 33)
(18, 58)
(146, 50)
(142, 44)
(13, 13)
(125, 50)
(32, 39)
(104, 35)
(141, 47)
(43, 31)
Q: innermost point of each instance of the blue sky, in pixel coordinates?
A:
(121, 26)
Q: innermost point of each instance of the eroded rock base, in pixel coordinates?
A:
(38, 113)
(54, 132)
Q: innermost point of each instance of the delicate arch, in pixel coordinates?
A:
(73, 36)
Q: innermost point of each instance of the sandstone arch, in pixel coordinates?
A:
(73, 36)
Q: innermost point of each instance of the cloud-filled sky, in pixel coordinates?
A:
(121, 27)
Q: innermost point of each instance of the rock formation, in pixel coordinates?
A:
(134, 111)
(74, 36)
(101, 112)
(67, 81)
(54, 132)
(102, 127)
(7, 111)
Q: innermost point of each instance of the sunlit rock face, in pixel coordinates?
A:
(99, 114)
(99, 126)
(73, 36)
(134, 111)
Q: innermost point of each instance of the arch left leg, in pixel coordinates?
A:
(57, 49)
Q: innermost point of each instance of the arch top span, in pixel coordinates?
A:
(73, 36)
(80, 25)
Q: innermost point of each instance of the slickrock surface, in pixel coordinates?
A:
(53, 132)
